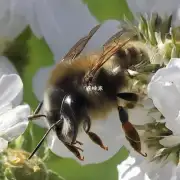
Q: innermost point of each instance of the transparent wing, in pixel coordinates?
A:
(80, 45)
(111, 46)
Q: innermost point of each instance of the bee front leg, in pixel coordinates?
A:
(74, 150)
(94, 137)
(78, 142)
(35, 115)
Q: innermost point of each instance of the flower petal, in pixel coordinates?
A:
(136, 167)
(145, 6)
(14, 122)
(129, 169)
(3, 144)
(10, 88)
(27, 10)
(170, 141)
(164, 90)
(6, 67)
(108, 130)
(40, 81)
(11, 24)
(107, 30)
(56, 19)
(173, 124)
(139, 116)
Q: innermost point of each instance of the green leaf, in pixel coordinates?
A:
(109, 9)
(54, 176)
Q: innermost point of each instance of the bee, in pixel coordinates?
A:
(85, 87)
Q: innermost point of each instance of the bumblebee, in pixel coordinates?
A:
(85, 87)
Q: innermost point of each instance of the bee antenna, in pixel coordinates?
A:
(48, 131)
(42, 140)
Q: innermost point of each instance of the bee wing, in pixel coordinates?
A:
(109, 48)
(80, 45)
(113, 38)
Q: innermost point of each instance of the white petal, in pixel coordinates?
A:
(170, 141)
(11, 25)
(139, 116)
(4, 6)
(5, 108)
(164, 91)
(107, 30)
(173, 124)
(174, 62)
(6, 67)
(27, 10)
(57, 19)
(110, 133)
(137, 168)
(3, 144)
(157, 6)
(40, 81)
(14, 122)
(129, 169)
(10, 88)
(148, 103)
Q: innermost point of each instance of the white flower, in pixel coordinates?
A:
(13, 120)
(164, 90)
(6, 67)
(136, 168)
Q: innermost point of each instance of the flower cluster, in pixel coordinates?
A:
(156, 117)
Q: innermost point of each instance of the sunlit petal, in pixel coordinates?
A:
(10, 87)
(14, 122)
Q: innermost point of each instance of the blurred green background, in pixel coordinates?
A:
(29, 54)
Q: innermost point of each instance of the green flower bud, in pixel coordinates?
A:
(16, 166)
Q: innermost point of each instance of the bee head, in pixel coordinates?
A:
(71, 112)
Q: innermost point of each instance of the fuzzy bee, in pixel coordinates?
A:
(85, 87)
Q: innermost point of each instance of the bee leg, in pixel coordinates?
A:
(75, 151)
(35, 115)
(128, 96)
(78, 142)
(130, 132)
(94, 137)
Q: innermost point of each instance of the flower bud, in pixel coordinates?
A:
(16, 166)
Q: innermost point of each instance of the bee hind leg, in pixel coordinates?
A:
(94, 137)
